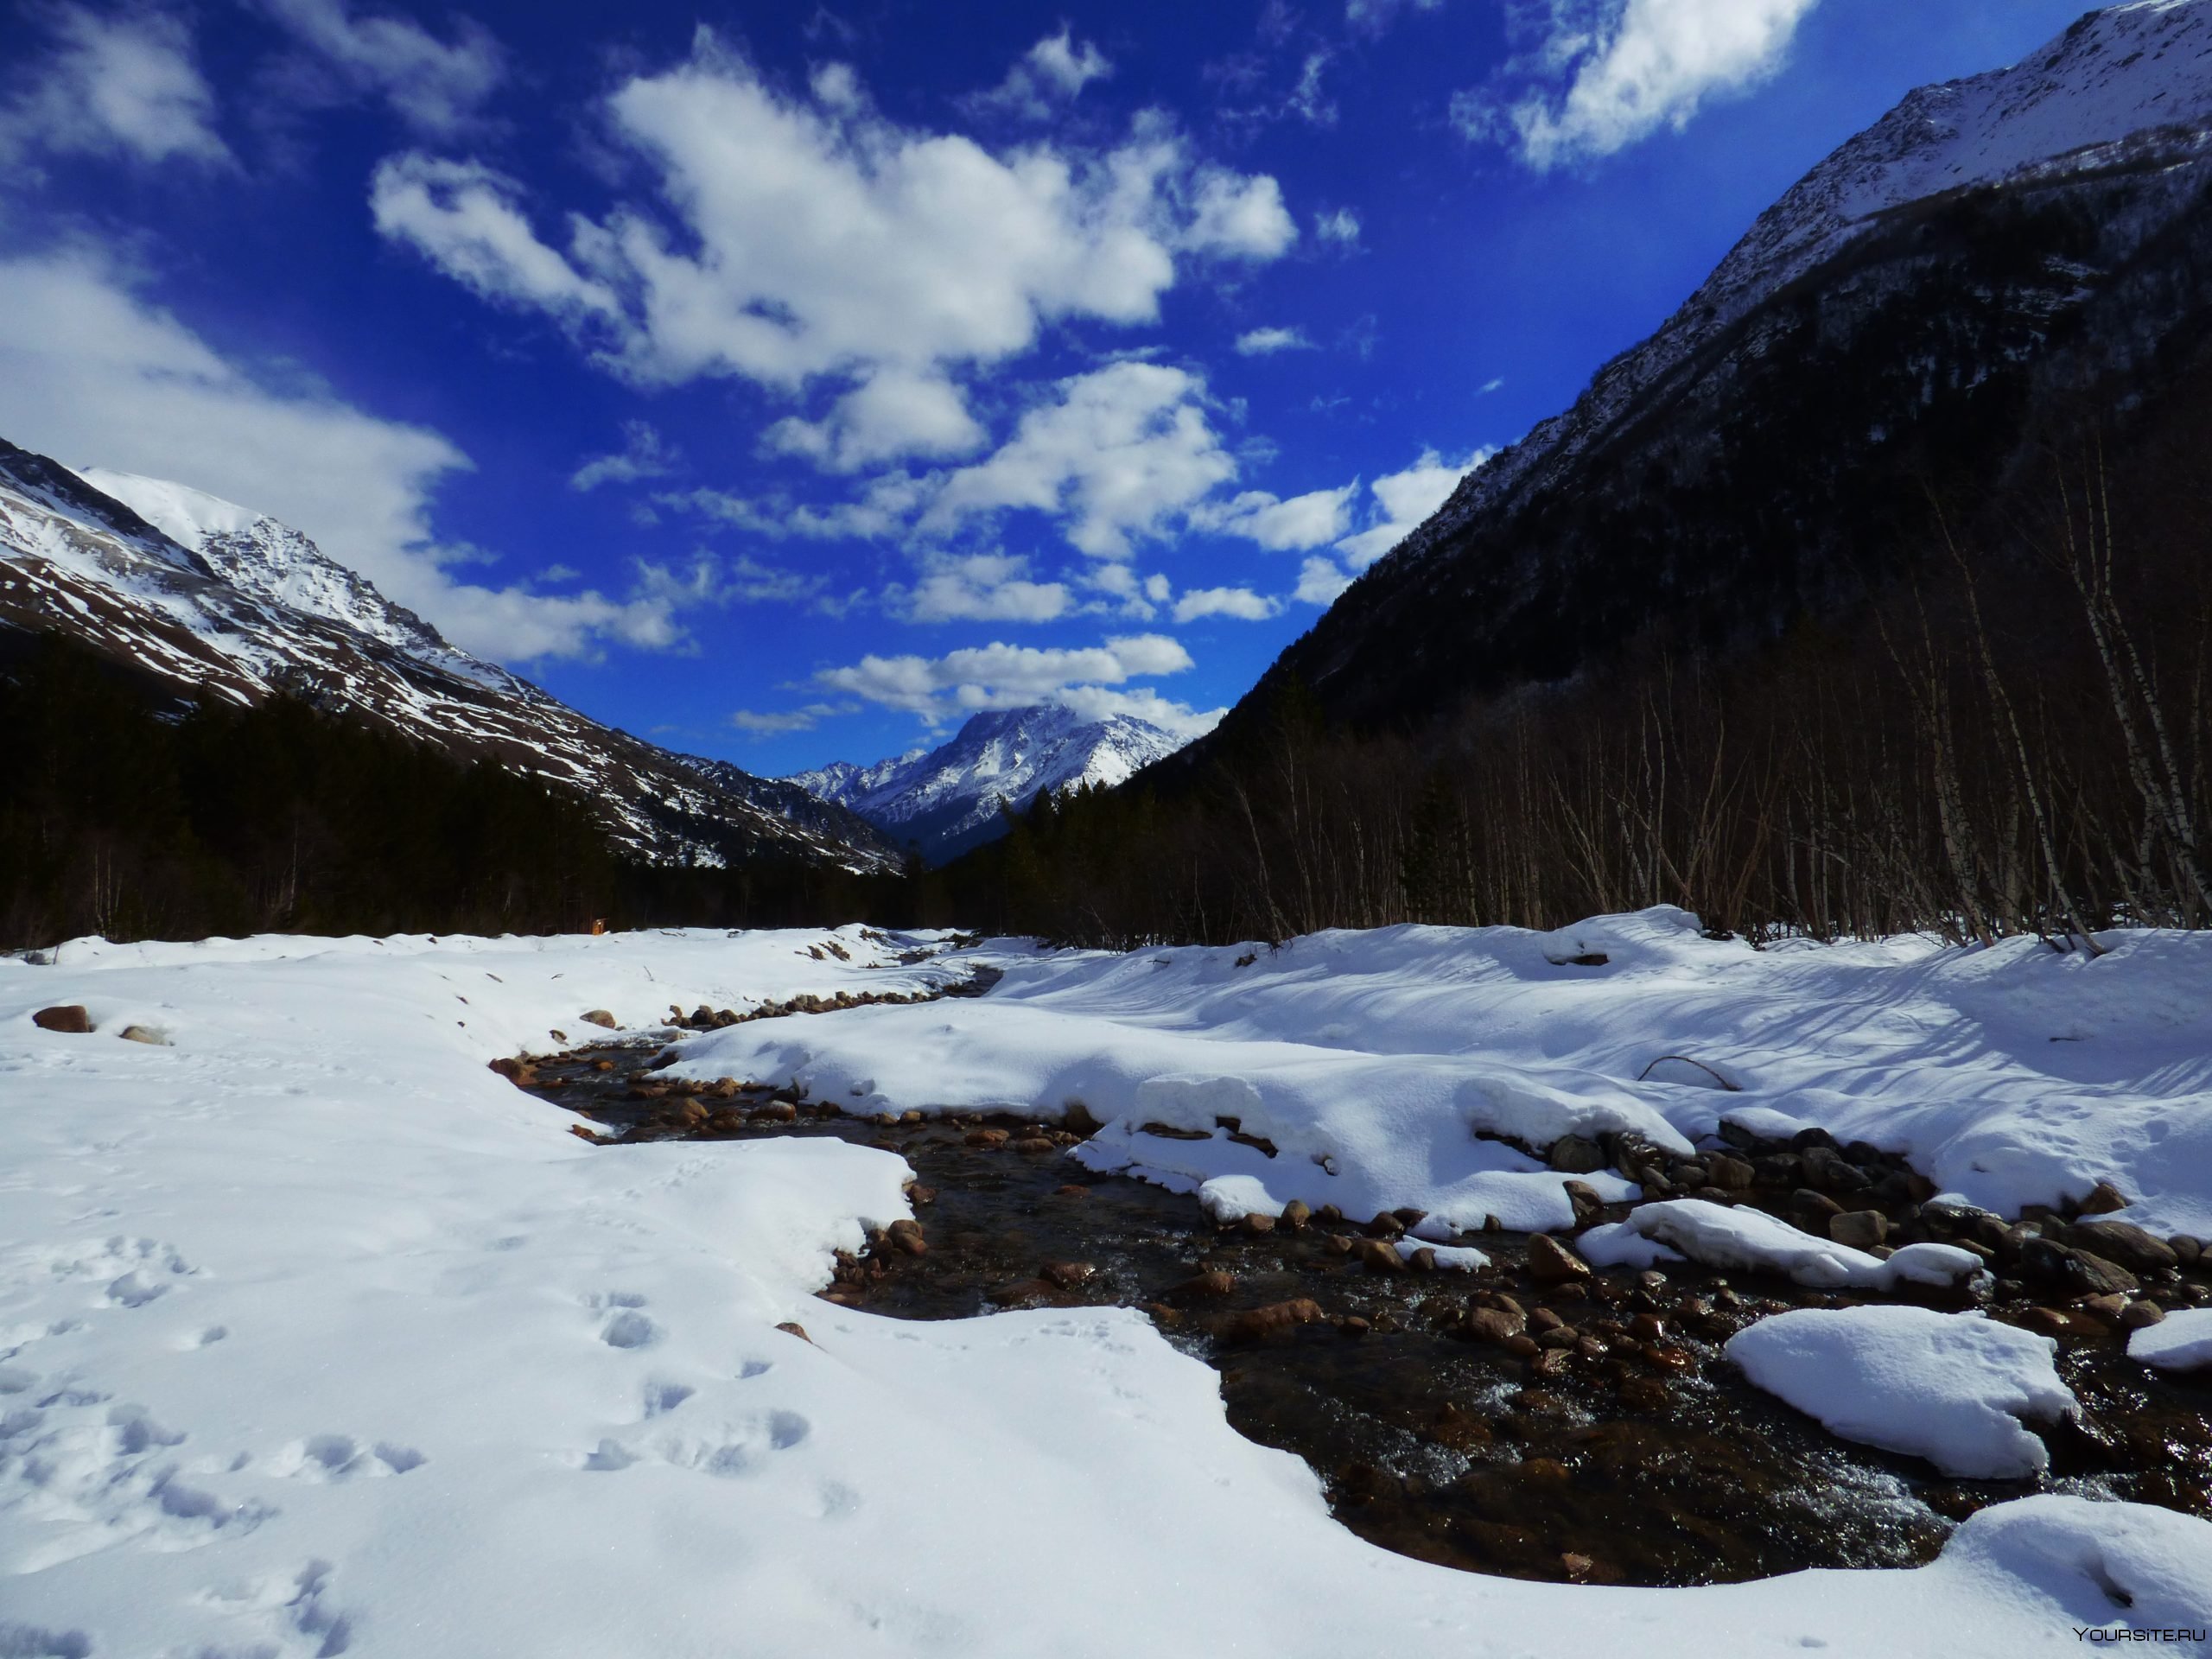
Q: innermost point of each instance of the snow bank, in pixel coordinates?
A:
(1371, 1061)
(318, 1337)
(2180, 1342)
(1753, 1241)
(1951, 1387)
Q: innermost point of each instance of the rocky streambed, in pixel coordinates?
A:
(1535, 1417)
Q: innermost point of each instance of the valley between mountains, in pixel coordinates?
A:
(1646, 1090)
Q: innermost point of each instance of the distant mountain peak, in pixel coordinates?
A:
(216, 601)
(946, 799)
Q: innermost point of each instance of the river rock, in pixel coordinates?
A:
(2125, 1242)
(1818, 1205)
(1575, 1155)
(1380, 1255)
(1729, 1174)
(2081, 1272)
(1493, 1324)
(68, 1017)
(1588, 1206)
(1551, 1262)
(600, 1017)
(907, 1236)
(2137, 1316)
(1385, 1225)
(2187, 1248)
(1295, 1214)
(987, 1140)
(1257, 1224)
(1259, 1324)
(1831, 1172)
(1862, 1229)
(2104, 1198)
(155, 1038)
(1068, 1275)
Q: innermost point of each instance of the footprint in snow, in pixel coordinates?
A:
(326, 1458)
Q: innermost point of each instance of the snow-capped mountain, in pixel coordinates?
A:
(1899, 321)
(946, 799)
(209, 599)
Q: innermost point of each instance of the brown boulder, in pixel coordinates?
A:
(2104, 1198)
(987, 1140)
(2137, 1316)
(907, 1236)
(68, 1017)
(1257, 1324)
(2125, 1242)
(1551, 1262)
(1295, 1214)
(1493, 1324)
(1068, 1275)
(1588, 1206)
(1861, 1230)
(155, 1038)
(603, 1018)
(1576, 1154)
(1729, 1174)
(1380, 1255)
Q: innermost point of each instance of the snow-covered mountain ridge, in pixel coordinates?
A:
(210, 599)
(1897, 329)
(2126, 87)
(946, 799)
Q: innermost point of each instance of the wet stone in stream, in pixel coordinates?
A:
(1583, 1431)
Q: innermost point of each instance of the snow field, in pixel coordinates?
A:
(318, 1337)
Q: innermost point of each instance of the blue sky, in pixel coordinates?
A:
(785, 384)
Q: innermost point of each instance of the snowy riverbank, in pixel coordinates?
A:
(317, 1337)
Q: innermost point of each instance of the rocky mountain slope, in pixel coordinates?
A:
(946, 799)
(1996, 259)
(204, 599)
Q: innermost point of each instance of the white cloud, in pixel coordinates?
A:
(1607, 74)
(893, 413)
(1308, 101)
(814, 239)
(1265, 342)
(435, 86)
(999, 675)
(464, 216)
(1319, 581)
(645, 453)
(1052, 72)
(93, 375)
(1239, 602)
(1177, 719)
(1488, 386)
(1236, 216)
(1123, 449)
(1339, 225)
(777, 724)
(1374, 17)
(980, 586)
(121, 83)
(1406, 498)
(1313, 519)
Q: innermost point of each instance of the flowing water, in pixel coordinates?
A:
(1639, 1457)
